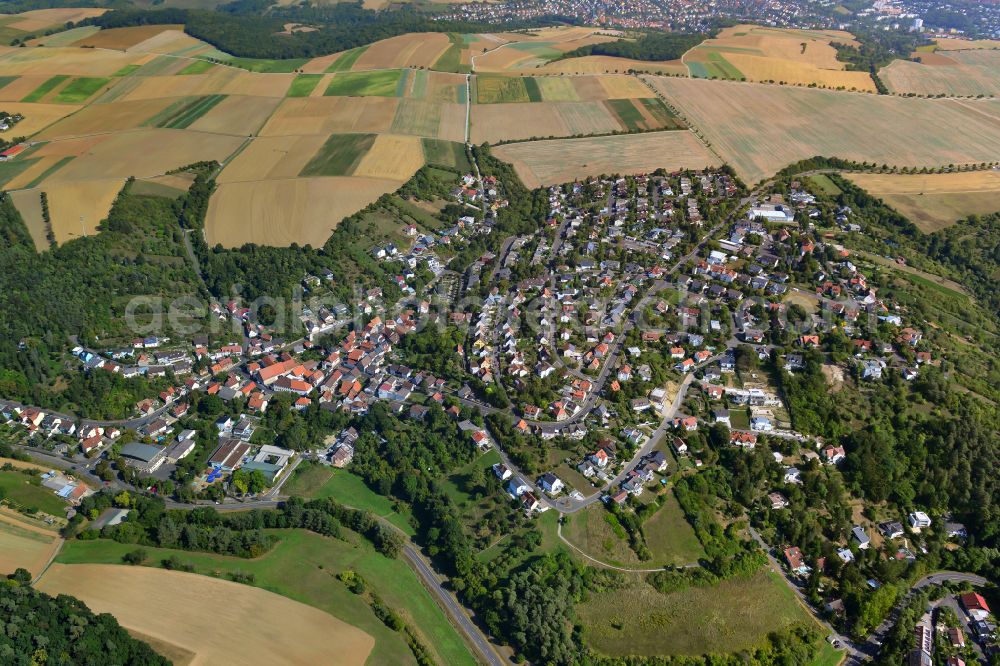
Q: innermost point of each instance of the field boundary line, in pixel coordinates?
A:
(52, 558)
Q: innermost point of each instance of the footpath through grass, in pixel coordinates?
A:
(303, 566)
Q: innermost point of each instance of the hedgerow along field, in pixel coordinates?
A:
(740, 122)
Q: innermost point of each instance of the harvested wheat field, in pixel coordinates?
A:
(27, 546)
(29, 205)
(282, 212)
(796, 57)
(540, 163)
(513, 122)
(38, 116)
(102, 118)
(955, 73)
(392, 157)
(331, 115)
(172, 42)
(536, 50)
(221, 621)
(124, 38)
(21, 87)
(39, 20)
(623, 87)
(415, 49)
(965, 44)
(148, 152)
(77, 207)
(935, 201)
(240, 115)
(272, 158)
(42, 165)
(67, 61)
(611, 65)
(761, 128)
(211, 82)
(253, 83)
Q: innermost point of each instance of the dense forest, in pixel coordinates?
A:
(652, 46)
(83, 288)
(62, 631)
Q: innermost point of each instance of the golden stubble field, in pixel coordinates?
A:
(970, 72)
(24, 545)
(282, 212)
(797, 57)
(540, 163)
(761, 128)
(935, 201)
(221, 622)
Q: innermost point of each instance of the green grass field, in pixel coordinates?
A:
(346, 61)
(183, 113)
(446, 153)
(27, 492)
(348, 489)
(197, 67)
(533, 89)
(382, 83)
(307, 480)
(734, 615)
(303, 566)
(500, 89)
(303, 85)
(80, 89)
(7, 80)
(339, 156)
(823, 182)
(126, 70)
(670, 537)
(827, 656)
(44, 89)
(451, 60)
(661, 113)
(625, 110)
(716, 67)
